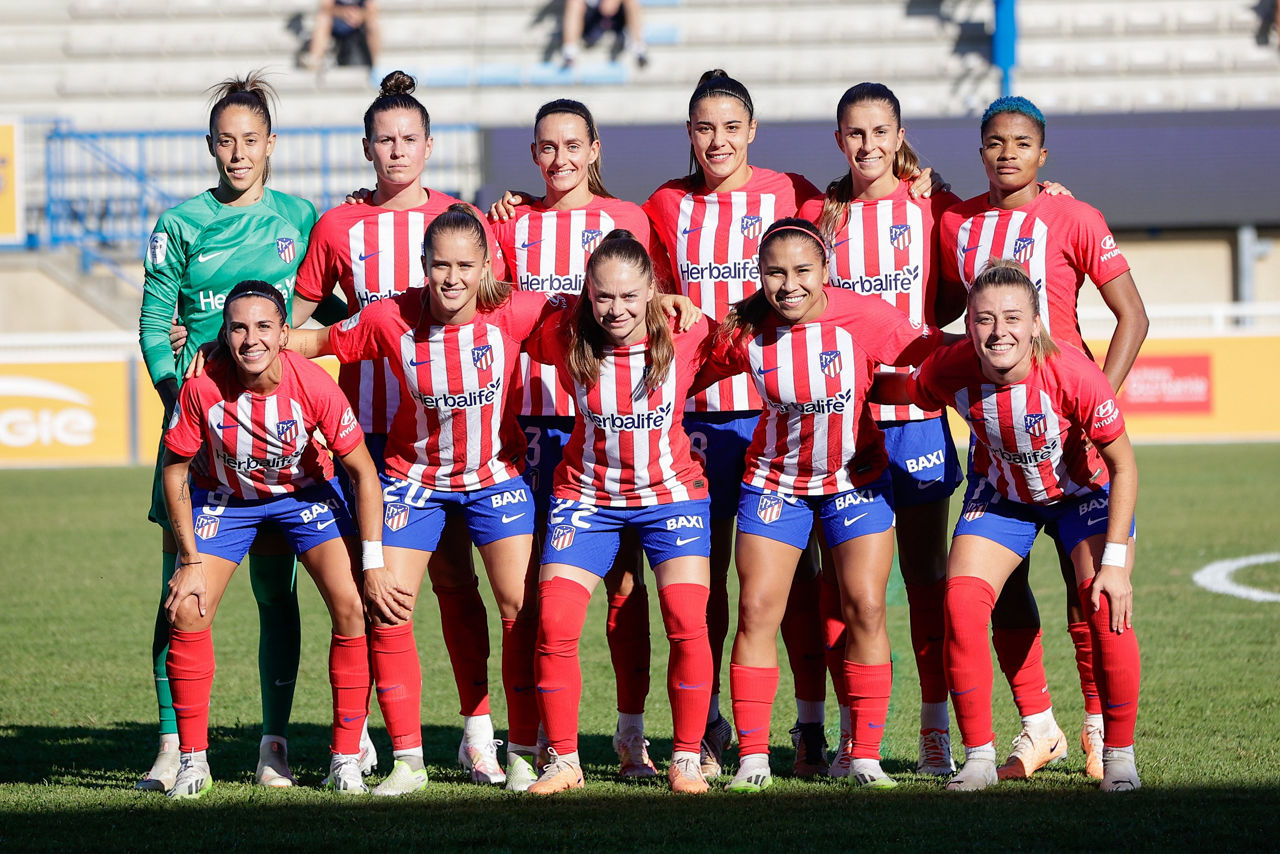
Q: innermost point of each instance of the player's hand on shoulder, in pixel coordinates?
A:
(1053, 188)
(206, 352)
(362, 196)
(926, 182)
(177, 337)
(505, 208)
(681, 308)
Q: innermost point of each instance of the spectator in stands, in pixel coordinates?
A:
(352, 26)
(595, 18)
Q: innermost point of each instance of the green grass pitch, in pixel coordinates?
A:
(79, 577)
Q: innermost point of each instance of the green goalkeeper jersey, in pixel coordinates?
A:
(196, 255)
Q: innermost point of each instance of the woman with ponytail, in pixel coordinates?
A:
(240, 229)
(627, 467)
(370, 252)
(546, 243)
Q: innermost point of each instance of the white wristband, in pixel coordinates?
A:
(371, 554)
(1115, 554)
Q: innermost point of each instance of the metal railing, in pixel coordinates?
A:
(104, 190)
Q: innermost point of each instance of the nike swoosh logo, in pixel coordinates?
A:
(413, 363)
(965, 691)
(528, 243)
(848, 521)
(969, 249)
(347, 720)
(680, 541)
(925, 484)
(1118, 705)
(691, 231)
(320, 526)
(382, 690)
(749, 731)
(1095, 521)
(763, 371)
(542, 690)
(690, 687)
(281, 683)
(841, 242)
(875, 726)
(227, 426)
(370, 255)
(203, 257)
(507, 520)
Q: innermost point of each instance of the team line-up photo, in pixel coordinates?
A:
(745, 371)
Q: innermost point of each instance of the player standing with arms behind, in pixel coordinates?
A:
(372, 251)
(252, 413)
(451, 449)
(1050, 452)
(811, 351)
(546, 244)
(240, 229)
(1059, 241)
(884, 243)
(626, 466)
(708, 225)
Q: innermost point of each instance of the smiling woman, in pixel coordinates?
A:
(241, 229)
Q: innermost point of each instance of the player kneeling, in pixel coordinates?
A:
(250, 417)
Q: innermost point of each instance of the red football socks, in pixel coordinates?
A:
(967, 656)
(562, 611)
(869, 687)
(190, 666)
(1021, 657)
(752, 690)
(519, 637)
(924, 605)
(466, 636)
(684, 616)
(833, 636)
(349, 679)
(1082, 640)
(627, 631)
(1117, 667)
(399, 677)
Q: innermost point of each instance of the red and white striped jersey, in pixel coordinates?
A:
(453, 431)
(1058, 239)
(712, 241)
(889, 248)
(547, 251)
(371, 253)
(628, 448)
(816, 436)
(1033, 439)
(257, 446)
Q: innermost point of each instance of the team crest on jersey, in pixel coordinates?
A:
(1036, 424)
(752, 227)
(591, 239)
(206, 527)
(830, 362)
(396, 516)
(284, 248)
(1023, 248)
(482, 356)
(974, 510)
(900, 236)
(287, 431)
(561, 537)
(769, 509)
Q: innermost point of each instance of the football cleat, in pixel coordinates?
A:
(843, 760)
(193, 779)
(685, 775)
(750, 781)
(163, 771)
(482, 761)
(715, 741)
(402, 781)
(557, 776)
(935, 753)
(1029, 754)
(633, 754)
(1119, 771)
(520, 773)
(1091, 744)
(345, 777)
(976, 774)
(273, 766)
(811, 750)
(368, 756)
(867, 774)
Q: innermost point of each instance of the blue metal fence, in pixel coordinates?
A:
(105, 189)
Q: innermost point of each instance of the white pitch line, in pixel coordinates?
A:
(1216, 577)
